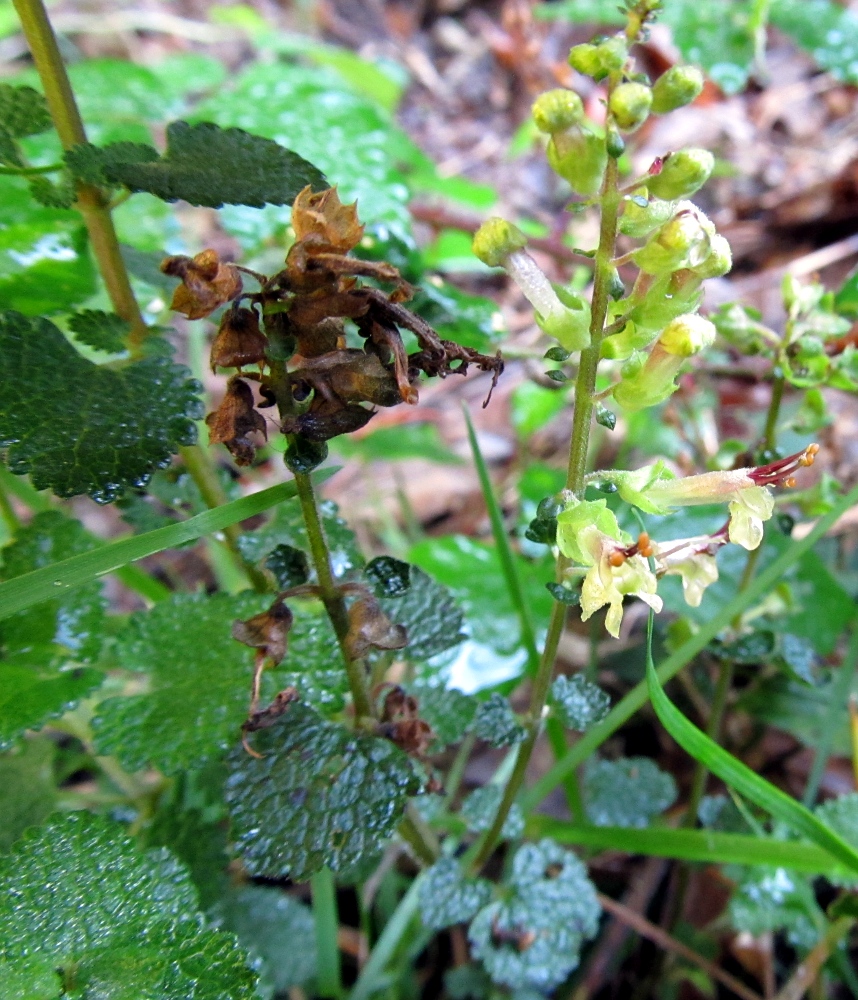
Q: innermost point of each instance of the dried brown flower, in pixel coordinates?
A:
(268, 631)
(239, 340)
(207, 283)
(235, 419)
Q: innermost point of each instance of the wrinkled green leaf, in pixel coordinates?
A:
(430, 615)
(578, 702)
(448, 711)
(320, 795)
(389, 577)
(204, 165)
(626, 792)
(447, 897)
(199, 679)
(29, 788)
(278, 930)
(775, 900)
(102, 330)
(480, 808)
(120, 923)
(532, 938)
(23, 111)
(496, 723)
(80, 428)
(290, 566)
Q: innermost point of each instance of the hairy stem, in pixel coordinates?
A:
(332, 597)
(582, 419)
(90, 200)
(771, 430)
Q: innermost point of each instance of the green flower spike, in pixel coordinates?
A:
(598, 61)
(654, 381)
(561, 314)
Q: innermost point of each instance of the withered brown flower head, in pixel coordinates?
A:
(207, 283)
(322, 220)
(239, 340)
(268, 631)
(235, 419)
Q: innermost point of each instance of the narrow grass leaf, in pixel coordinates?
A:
(50, 581)
(735, 774)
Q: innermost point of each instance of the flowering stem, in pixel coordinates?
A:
(582, 420)
(771, 431)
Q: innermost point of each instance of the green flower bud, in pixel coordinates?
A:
(679, 86)
(557, 110)
(687, 335)
(642, 215)
(682, 174)
(655, 380)
(719, 261)
(599, 60)
(629, 103)
(495, 240)
(579, 157)
(682, 242)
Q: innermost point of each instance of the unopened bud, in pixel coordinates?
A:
(684, 241)
(719, 261)
(496, 239)
(579, 157)
(679, 86)
(654, 381)
(642, 215)
(682, 173)
(557, 110)
(687, 335)
(629, 103)
(602, 59)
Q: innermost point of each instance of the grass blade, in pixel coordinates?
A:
(740, 777)
(707, 846)
(638, 696)
(53, 581)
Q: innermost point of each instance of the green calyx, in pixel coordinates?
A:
(495, 240)
(683, 242)
(642, 215)
(629, 104)
(557, 110)
(601, 59)
(570, 326)
(682, 174)
(578, 515)
(579, 157)
(679, 86)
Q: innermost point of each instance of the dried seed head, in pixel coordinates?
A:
(234, 420)
(207, 283)
(239, 340)
(267, 631)
(324, 223)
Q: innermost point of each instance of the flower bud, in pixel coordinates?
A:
(687, 335)
(496, 239)
(599, 60)
(642, 215)
(719, 261)
(655, 381)
(682, 242)
(679, 86)
(579, 157)
(629, 103)
(682, 174)
(557, 110)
